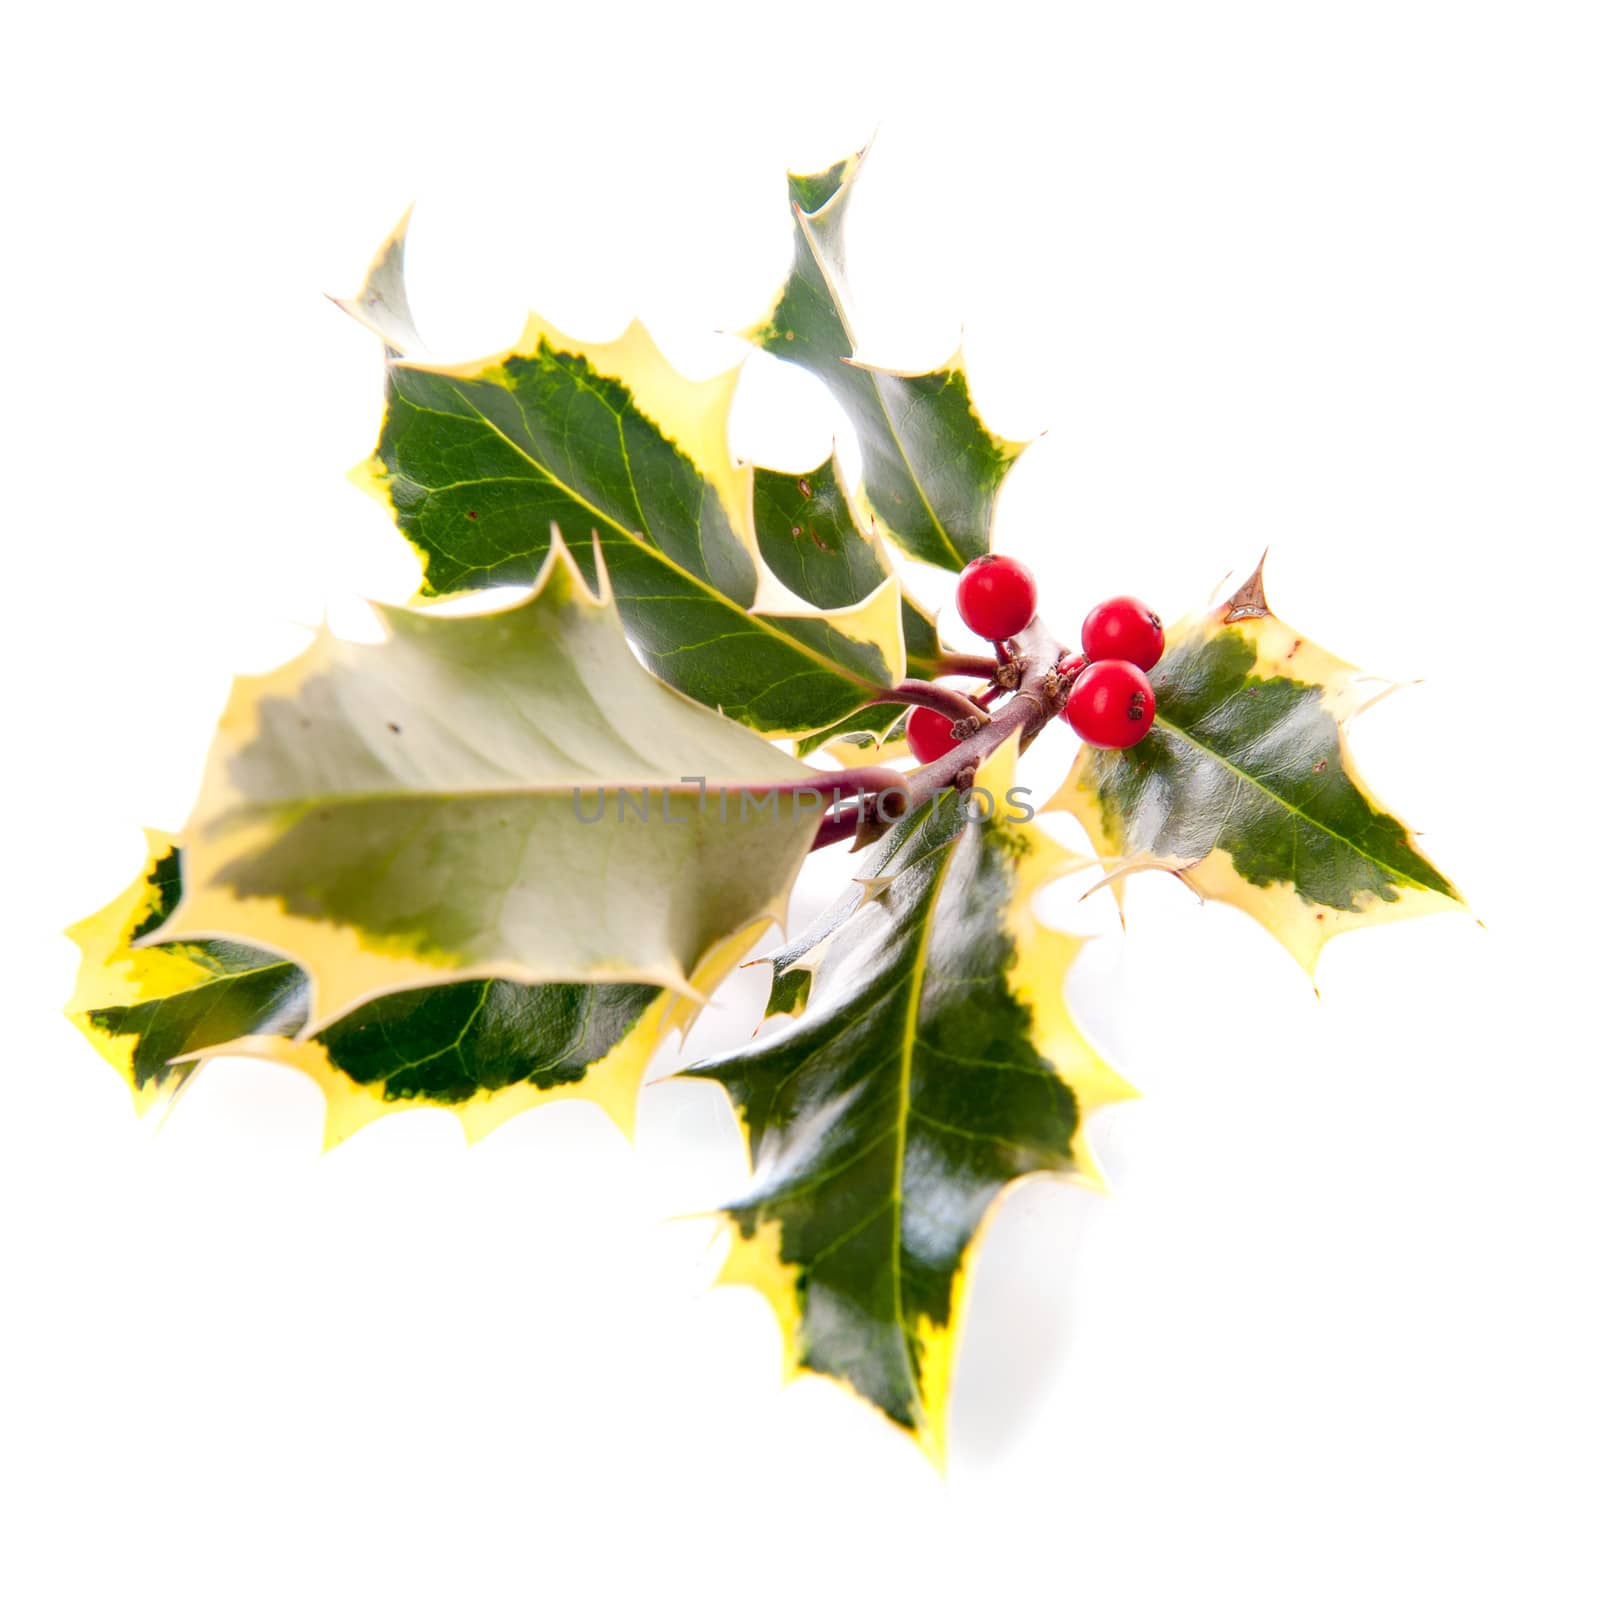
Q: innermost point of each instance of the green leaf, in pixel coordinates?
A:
(871, 734)
(813, 542)
(924, 653)
(606, 441)
(935, 1063)
(1245, 788)
(484, 1050)
(500, 796)
(149, 1009)
(479, 459)
(932, 469)
(809, 536)
(488, 1050)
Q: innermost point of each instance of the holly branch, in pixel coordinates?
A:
(1038, 696)
(466, 866)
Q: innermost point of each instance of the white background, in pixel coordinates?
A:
(1323, 278)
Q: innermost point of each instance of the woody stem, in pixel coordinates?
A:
(965, 666)
(1039, 697)
(938, 697)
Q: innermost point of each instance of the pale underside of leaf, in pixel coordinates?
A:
(411, 813)
(381, 304)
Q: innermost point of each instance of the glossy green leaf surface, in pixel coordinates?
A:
(809, 536)
(932, 469)
(813, 542)
(156, 1011)
(485, 1050)
(607, 442)
(1245, 786)
(933, 1064)
(508, 795)
(924, 653)
(479, 462)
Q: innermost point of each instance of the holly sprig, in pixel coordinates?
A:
(498, 859)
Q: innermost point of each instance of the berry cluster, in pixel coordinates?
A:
(1109, 700)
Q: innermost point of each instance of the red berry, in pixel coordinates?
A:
(1123, 629)
(1069, 669)
(1111, 705)
(928, 734)
(996, 597)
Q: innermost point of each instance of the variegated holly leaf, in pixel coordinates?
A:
(148, 1009)
(508, 795)
(925, 656)
(485, 1050)
(382, 304)
(932, 469)
(1245, 787)
(813, 542)
(811, 538)
(934, 1063)
(478, 462)
(872, 735)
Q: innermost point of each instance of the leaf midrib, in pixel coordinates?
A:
(877, 393)
(1394, 873)
(530, 791)
(908, 1047)
(894, 433)
(656, 553)
(214, 981)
